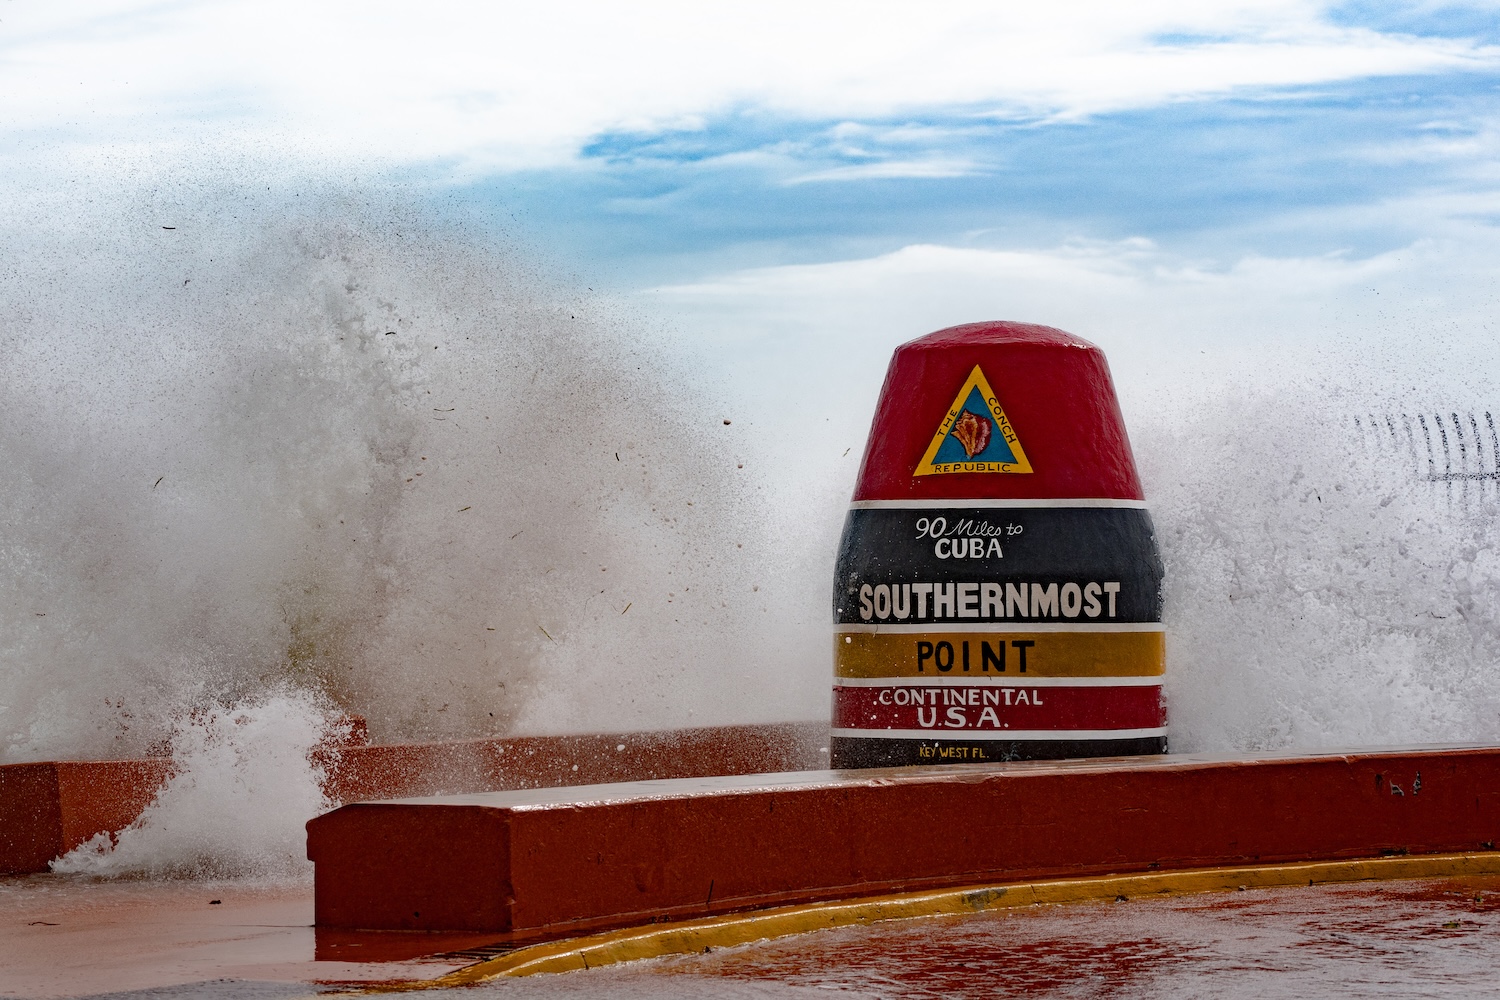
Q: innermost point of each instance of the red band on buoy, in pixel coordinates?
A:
(992, 711)
(1054, 388)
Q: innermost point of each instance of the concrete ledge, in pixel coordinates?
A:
(552, 863)
(359, 773)
(49, 808)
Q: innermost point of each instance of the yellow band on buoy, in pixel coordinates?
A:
(994, 652)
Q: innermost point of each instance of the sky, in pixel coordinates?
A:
(673, 143)
(790, 189)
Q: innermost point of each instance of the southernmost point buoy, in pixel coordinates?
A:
(998, 587)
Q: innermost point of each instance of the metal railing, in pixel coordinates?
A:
(1454, 449)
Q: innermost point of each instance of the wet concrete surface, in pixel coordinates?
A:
(1399, 939)
(63, 936)
(1429, 938)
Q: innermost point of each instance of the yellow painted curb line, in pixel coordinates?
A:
(693, 936)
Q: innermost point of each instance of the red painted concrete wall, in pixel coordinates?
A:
(537, 865)
(49, 808)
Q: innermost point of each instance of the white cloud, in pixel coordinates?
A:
(1083, 285)
(891, 169)
(809, 341)
(511, 84)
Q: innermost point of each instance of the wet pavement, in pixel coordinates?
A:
(1406, 939)
(66, 936)
(1429, 938)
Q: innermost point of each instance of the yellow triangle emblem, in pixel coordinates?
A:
(975, 435)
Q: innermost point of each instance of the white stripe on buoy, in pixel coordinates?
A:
(992, 504)
(999, 680)
(971, 735)
(1007, 626)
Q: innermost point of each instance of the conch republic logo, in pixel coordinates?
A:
(975, 435)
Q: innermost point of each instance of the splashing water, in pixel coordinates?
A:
(246, 782)
(1320, 592)
(364, 454)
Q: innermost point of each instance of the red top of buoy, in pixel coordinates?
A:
(998, 411)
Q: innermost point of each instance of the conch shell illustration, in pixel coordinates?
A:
(973, 432)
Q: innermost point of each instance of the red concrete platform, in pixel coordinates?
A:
(49, 808)
(537, 865)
